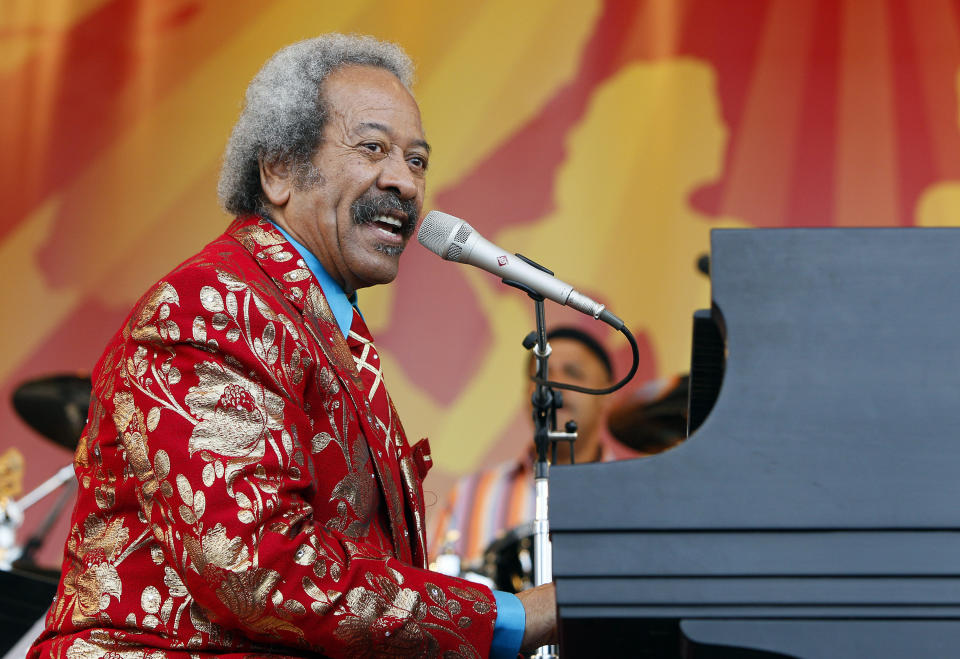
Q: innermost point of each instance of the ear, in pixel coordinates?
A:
(276, 180)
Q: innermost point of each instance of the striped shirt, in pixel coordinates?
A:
(481, 508)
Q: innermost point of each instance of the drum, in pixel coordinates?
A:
(508, 561)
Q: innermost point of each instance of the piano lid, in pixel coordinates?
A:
(839, 402)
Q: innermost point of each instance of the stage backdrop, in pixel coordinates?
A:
(603, 139)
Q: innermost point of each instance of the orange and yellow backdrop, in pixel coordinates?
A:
(602, 138)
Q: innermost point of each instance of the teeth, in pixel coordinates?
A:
(392, 221)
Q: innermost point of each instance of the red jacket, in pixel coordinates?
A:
(237, 496)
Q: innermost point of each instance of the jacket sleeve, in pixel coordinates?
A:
(254, 500)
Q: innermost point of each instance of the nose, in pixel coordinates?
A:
(395, 175)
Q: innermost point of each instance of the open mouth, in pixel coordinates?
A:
(392, 219)
(387, 223)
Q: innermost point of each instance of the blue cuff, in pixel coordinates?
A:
(509, 626)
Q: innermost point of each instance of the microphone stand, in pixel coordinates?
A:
(545, 403)
(545, 422)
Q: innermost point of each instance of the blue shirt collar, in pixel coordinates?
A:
(341, 305)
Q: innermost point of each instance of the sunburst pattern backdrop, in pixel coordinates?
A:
(603, 139)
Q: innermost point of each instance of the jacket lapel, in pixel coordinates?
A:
(282, 263)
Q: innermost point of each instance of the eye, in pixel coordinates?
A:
(418, 162)
(373, 147)
(573, 371)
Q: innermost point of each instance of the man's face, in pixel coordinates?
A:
(372, 162)
(571, 362)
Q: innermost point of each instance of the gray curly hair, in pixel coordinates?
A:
(284, 112)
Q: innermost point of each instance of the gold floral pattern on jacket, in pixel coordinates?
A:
(230, 502)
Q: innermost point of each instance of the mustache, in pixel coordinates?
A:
(372, 205)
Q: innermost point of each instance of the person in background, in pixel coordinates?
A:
(485, 505)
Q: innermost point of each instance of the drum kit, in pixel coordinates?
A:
(56, 408)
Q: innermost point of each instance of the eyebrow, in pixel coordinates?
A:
(386, 129)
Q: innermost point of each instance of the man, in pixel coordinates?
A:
(484, 506)
(246, 488)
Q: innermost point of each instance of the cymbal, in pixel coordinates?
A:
(654, 418)
(55, 406)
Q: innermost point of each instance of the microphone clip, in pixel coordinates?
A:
(536, 297)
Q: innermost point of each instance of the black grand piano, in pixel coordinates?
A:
(814, 511)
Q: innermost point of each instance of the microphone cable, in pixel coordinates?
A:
(622, 328)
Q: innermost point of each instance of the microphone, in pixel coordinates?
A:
(453, 239)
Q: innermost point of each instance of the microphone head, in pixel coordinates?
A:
(444, 235)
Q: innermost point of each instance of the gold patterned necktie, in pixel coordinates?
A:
(368, 366)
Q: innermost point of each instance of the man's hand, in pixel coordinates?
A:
(540, 606)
